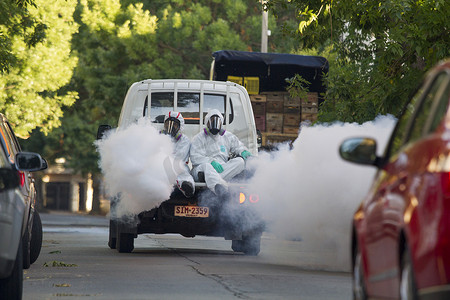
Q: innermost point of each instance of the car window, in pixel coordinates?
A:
(441, 107)
(400, 132)
(211, 101)
(3, 160)
(425, 108)
(189, 106)
(10, 143)
(162, 103)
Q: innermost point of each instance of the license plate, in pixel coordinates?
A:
(191, 211)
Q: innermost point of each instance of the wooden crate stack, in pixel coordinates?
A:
(278, 116)
(310, 106)
(259, 111)
(274, 112)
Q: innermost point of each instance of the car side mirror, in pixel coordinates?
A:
(30, 162)
(359, 150)
(45, 164)
(101, 130)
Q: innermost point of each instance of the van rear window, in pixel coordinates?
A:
(188, 104)
(162, 103)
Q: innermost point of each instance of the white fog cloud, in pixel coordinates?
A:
(309, 193)
(134, 164)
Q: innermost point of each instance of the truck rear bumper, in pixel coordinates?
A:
(226, 219)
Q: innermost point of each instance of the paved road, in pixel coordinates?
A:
(75, 263)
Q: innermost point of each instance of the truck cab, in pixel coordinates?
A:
(193, 98)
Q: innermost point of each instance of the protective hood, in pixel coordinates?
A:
(211, 113)
(173, 124)
(177, 115)
(214, 122)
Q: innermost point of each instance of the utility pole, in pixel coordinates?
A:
(264, 28)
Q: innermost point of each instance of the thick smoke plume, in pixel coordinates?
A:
(137, 165)
(309, 193)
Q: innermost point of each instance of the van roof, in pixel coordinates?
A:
(194, 84)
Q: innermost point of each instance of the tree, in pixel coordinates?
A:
(30, 92)
(17, 22)
(382, 50)
(121, 42)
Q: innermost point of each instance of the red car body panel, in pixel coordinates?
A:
(409, 206)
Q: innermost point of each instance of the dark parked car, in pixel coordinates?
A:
(401, 231)
(14, 220)
(32, 239)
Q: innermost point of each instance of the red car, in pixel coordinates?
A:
(401, 230)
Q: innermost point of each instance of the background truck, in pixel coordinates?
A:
(277, 115)
(238, 221)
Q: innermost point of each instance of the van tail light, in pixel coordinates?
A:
(253, 198)
(241, 198)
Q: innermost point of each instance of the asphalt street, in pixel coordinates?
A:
(76, 263)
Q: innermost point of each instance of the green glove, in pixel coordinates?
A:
(217, 166)
(245, 154)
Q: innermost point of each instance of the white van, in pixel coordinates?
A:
(193, 98)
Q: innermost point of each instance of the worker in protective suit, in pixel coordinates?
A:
(173, 126)
(210, 154)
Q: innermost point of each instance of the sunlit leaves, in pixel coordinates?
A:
(308, 16)
(17, 22)
(100, 14)
(29, 94)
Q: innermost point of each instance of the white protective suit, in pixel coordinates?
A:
(206, 147)
(181, 153)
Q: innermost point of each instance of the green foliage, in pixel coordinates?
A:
(16, 22)
(30, 93)
(298, 86)
(123, 41)
(381, 49)
(377, 50)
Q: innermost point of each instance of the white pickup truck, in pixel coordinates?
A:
(193, 98)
